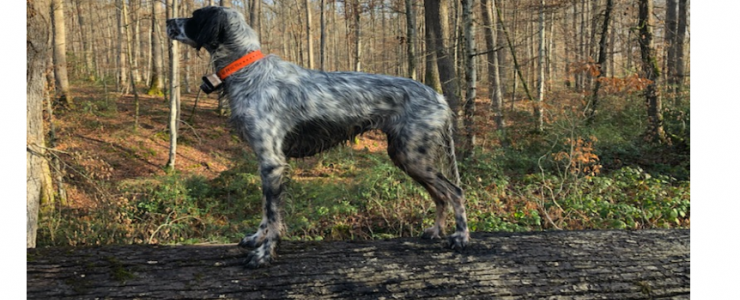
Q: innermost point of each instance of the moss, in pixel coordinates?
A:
(645, 287)
(118, 272)
(155, 90)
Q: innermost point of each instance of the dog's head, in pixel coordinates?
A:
(214, 27)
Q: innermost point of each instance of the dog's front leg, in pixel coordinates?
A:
(268, 234)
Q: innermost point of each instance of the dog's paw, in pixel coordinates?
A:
(251, 241)
(258, 258)
(458, 241)
(431, 233)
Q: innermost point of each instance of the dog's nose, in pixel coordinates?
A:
(172, 29)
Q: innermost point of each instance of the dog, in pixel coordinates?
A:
(285, 111)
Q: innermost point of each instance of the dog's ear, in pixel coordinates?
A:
(208, 26)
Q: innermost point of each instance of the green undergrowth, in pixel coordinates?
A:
(379, 201)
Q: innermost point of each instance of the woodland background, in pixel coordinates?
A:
(572, 115)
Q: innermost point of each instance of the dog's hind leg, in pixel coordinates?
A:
(272, 170)
(416, 152)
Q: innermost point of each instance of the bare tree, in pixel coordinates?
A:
(471, 78)
(309, 40)
(93, 45)
(437, 12)
(322, 43)
(86, 42)
(670, 29)
(38, 23)
(411, 38)
(356, 12)
(122, 65)
(651, 71)
(132, 29)
(156, 84)
(539, 124)
(254, 15)
(130, 58)
(431, 74)
(174, 54)
(491, 36)
(500, 55)
(680, 41)
(60, 53)
(600, 61)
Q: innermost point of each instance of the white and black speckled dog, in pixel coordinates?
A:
(284, 110)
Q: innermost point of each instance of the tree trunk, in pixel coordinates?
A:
(580, 75)
(358, 34)
(58, 170)
(60, 54)
(539, 123)
(322, 42)
(437, 10)
(646, 264)
(130, 58)
(334, 50)
(679, 74)
(651, 71)
(491, 32)
(132, 30)
(549, 73)
(515, 64)
(601, 62)
(500, 55)
(93, 45)
(612, 41)
(122, 65)
(309, 40)
(174, 53)
(254, 15)
(670, 29)
(225, 3)
(86, 43)
(592, 39)
(411, 38)
(471, 78)
(431, 73)
(38, 23)
(157, 84)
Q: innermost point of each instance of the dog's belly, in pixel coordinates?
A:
(314, 136)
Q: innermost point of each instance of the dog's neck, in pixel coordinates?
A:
(241, 39)
(240, 63)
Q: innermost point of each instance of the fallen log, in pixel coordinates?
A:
(648, 264)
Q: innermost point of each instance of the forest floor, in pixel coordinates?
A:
(99, 134)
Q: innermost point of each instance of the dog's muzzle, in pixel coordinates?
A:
(176, 31)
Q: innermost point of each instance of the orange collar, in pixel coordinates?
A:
(239, 64)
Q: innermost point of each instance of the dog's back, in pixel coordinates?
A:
(322, 109)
